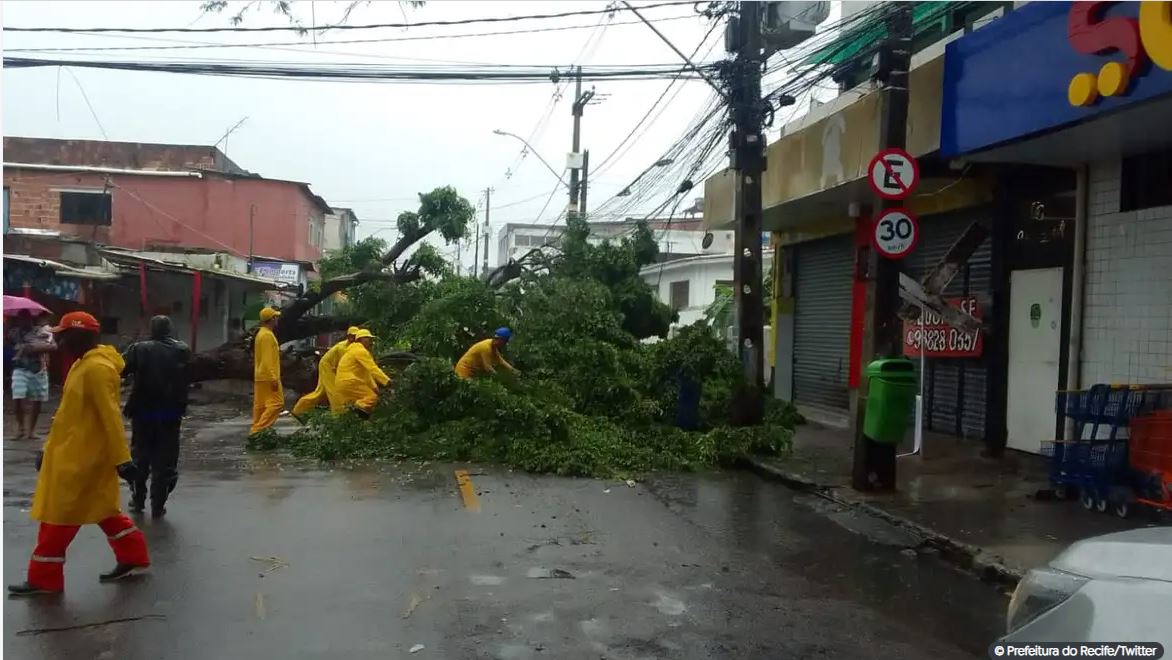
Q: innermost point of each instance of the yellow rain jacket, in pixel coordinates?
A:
(268, 397)
(359, 378)
(327, 370)
(482, 358)
(78, 484)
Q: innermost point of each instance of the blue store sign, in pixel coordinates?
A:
(1053, 64)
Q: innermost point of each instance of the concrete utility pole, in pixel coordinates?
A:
(585, 182)
(487, 210)
(874, 462)
(747, 149)
(580, 101)
(251, 217)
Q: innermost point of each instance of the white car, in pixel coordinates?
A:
(1110, 588)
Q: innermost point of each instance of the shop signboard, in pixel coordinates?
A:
(941, 340)
(283, 272)
(1069, 62)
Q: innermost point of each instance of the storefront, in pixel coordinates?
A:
(1089, 262)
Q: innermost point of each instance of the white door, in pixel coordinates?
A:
(1035, 344)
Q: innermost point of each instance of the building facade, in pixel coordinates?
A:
(340, 228)
(1101, 116)
(676, 237)
(145, 196)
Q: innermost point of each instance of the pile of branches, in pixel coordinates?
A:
(593, 399)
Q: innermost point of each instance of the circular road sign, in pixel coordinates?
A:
(893, 174)
(896, 233)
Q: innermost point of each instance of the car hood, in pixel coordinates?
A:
(1140, 553)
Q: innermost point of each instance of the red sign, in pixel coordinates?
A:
(941, 340)
(893, 173)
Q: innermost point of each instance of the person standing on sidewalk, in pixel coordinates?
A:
(327, 371)
(83, 458)
(268, 398)
(156, 407)
(32, 342)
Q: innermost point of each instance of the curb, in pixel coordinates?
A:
(984, 565)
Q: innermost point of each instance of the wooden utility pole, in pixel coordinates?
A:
(747, 150)
(874, 462)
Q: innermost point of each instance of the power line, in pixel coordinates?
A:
(180, 44)
(357, 72)
(371, 26)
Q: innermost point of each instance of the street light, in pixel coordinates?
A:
(534, 152)
(662, 162)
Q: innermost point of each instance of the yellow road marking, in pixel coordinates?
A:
(467, 490)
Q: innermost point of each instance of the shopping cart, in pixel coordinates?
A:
(1151, 458)
(1091, 462)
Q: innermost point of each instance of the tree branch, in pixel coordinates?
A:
(291, 315)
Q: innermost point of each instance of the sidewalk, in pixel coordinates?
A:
(983, 514)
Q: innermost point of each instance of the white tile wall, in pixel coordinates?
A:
(1127, 311)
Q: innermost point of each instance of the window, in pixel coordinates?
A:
(679, 295)
(85, 208)
(1144, 181)
(6, 210)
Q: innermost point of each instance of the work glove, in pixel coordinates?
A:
(37, 461)
(128, 471)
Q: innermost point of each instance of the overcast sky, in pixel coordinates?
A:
(368, 146)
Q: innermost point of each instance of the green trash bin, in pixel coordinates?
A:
(891, 398)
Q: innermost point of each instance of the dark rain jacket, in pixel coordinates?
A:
(159, 366)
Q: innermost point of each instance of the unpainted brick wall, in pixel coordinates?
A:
(1127, 308)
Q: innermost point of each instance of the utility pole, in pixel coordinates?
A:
(747, 155)
(487, 210)
(874, 462)
(580, 101)
(460, 255)
(585, 182)
(251, 217)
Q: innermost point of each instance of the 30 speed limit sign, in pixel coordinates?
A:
(896, 233)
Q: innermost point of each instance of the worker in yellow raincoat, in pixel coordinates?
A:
(84, 455)
(485, 356)
(359, 377)
(268, 398)
(327, 370)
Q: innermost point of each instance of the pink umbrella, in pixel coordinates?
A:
(13, 305)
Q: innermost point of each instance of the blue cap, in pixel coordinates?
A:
(504, 333)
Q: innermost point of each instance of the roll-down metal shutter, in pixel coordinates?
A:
(822, 322)
(954, 388)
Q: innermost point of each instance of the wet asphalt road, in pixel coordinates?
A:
(373, 561)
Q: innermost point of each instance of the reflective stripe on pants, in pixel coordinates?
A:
(46, 568)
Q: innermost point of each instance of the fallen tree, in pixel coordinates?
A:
(442, 211)
(592, 400)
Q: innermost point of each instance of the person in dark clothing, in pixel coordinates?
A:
(158, 401)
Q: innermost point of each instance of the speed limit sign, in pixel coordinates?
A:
(896, 233)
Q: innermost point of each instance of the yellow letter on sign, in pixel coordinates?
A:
(1155, 30)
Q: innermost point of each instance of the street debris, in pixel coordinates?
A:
(81, 626)
(417, 648)
(549, 574)
(630, 483)
(413, 603)
(274, 563)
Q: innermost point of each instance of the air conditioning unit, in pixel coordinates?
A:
(787, 24)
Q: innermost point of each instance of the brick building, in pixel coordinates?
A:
(150, 196)
(128, 230)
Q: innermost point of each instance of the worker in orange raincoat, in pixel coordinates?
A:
(268, 398)
(327, 370)
(84, 455)
(485, 356)
(359, 377)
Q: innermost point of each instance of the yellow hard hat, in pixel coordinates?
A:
(268, 314)
(362, 333)
(352, 330)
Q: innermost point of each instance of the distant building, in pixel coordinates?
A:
(676, 237)
(340, 227)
